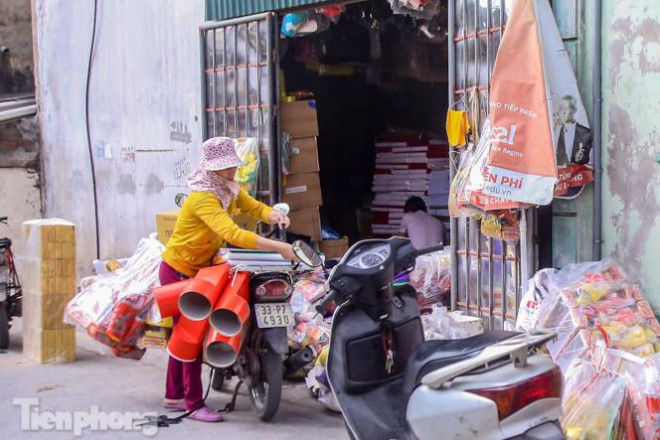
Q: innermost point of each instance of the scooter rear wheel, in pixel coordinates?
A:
(267, 391)
(4, 326)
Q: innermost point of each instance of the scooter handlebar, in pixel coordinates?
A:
(4, 219)
(329, 298)
(430, 250)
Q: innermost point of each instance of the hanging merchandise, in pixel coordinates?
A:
(292, 22)
(424, 9)
(536, 112)
(504, 225)
(333, 12)
(458, 128)
(247, 150)
(467, 195)
(299, 24)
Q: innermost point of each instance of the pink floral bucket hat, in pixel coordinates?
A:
(219, 153)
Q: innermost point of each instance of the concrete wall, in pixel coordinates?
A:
(631, 147)
(145, 114)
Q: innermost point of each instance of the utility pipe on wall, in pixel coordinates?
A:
(597, 135)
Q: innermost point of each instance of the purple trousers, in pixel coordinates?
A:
(184, 379)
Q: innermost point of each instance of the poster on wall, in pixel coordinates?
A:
(541, 140)
(572, 134)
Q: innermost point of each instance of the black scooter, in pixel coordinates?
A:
(391, 384)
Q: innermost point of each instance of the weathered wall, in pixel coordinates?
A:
(20, 200)
(20, 195)
(631, 147)
(16, 61)
(145, 113)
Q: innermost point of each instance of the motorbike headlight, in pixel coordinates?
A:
(273, 290)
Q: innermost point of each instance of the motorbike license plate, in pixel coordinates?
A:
(273, 315)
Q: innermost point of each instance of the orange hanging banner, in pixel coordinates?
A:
(521, 164)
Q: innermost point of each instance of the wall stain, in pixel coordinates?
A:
(154, 185)
(126, 184)
(76, 180)
(632, 169)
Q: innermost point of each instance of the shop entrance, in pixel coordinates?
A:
(379, 86)
(352, 119)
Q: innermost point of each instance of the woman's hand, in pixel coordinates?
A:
(287, 253)
(279, 218)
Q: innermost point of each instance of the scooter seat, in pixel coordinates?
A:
(431, 355)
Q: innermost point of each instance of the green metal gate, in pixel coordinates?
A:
(224, 9)
(239, 78)
(486, 272)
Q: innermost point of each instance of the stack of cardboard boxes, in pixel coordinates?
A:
(404, 168)
(302, 186)
(49, 283)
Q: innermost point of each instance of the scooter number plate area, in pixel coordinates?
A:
(273, 315)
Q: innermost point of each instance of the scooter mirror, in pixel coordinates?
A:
(306, 254)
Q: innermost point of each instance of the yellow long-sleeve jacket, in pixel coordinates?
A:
(203, 227)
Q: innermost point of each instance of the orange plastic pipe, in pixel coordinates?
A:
(187, 339)
(232, 310)
(202, 293)
(167, 298)
(221, 351)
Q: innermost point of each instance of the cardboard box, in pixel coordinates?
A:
(299, 119)
(306, 222)
(306, 160)
(334, 248)
(303, 191)
(165, 222)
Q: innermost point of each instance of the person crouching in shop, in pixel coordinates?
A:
(204, 225)
(423, 230)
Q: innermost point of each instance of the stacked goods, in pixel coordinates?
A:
(302, 185)
(403, 166)
(49, 282)
(608, 346)
(439, 184)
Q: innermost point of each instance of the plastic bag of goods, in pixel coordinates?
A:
(247, 174)
(592, 403)
(440, 324)
(645, 394)
(431, 278)
(537, 290)
(113, 307)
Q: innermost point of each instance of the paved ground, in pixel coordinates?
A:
(97, 378)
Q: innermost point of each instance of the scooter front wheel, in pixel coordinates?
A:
(267, 390)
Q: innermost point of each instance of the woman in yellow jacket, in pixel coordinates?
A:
(204, 225)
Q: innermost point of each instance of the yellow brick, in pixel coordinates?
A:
(45, 311)
(50, 345)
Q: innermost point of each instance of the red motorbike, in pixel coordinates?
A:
(11, 294)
